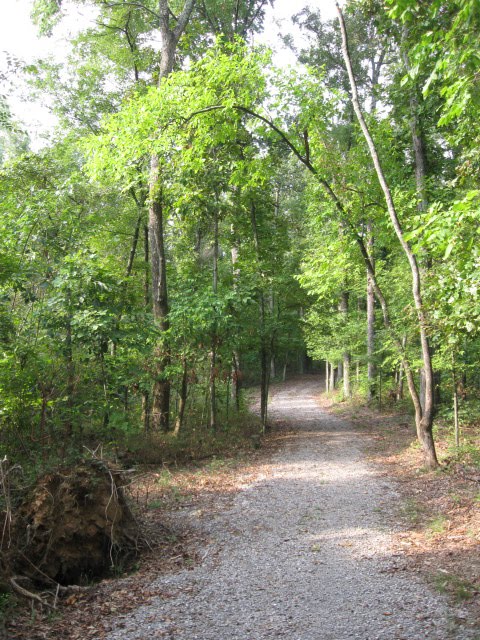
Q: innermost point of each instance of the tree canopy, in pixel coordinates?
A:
(202, 220)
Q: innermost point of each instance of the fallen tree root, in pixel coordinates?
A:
(28, 594)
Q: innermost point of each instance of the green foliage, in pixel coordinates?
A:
(79, 348)
(46, 14)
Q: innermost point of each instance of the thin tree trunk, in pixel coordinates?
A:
(455, 404)
(183, 398)
(346, 375)
(273, 372)
(343, 308)
(420, 156)
(161, 387)
(327, 376)
(401, 373)
(146, 408)
(264, 381)
(332, 376)
(237, 379)
(146, 253)
(264, 364)
(423, 416)
(70, 378)
(455, 416)
(236, 364)
(146, 411)
(371, 369)
(213, 351)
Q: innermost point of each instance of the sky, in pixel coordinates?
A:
(18, 37)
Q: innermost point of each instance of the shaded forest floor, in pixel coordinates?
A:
(438, 537)
(160, 496)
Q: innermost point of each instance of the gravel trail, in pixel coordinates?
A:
(302, 553)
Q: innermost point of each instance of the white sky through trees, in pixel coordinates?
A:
(19, 40)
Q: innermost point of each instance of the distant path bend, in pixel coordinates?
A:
(303, 553)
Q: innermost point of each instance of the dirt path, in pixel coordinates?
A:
(302, 553)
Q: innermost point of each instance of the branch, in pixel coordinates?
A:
(215, 27)
(307, 145)
(303, 159)
(139, 5)
(255, 15)
(183, 18)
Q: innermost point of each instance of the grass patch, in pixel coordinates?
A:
(413, 510)
(438, 524)
(459, 588)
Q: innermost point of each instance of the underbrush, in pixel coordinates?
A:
(192, 444)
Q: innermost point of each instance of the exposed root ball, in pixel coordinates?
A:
(74, 526)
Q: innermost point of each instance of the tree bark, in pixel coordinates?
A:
(401, 373)
(169, 38)
(423, 416)
(236, 364)
(343, 309)
(183, 399)
(146, 257)
(332, 376)
(213, 351)
(371, 369)
(264, 356)
(160, 414)
(70, 376)
(346, 375)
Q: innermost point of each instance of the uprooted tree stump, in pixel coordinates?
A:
(74, 526)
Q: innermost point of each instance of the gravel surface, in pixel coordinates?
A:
(302, 553)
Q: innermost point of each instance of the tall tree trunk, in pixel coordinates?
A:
(423, 415)
(401, 374)
(146, 411)
(455, 403)
(371, 369)
(183, 398)
(343, 309)
(169, 38)
(420, 157)
(271, 301)
(213, 352)
(332, 376)
(70, 377)
(237, 379)
(264, 356)
(346, 375)
(273, 372)
(160, 414)
(146, 282)
(236, 363)
(340, 371)
(264, 384)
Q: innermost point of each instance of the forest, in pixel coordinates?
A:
(203, 221)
